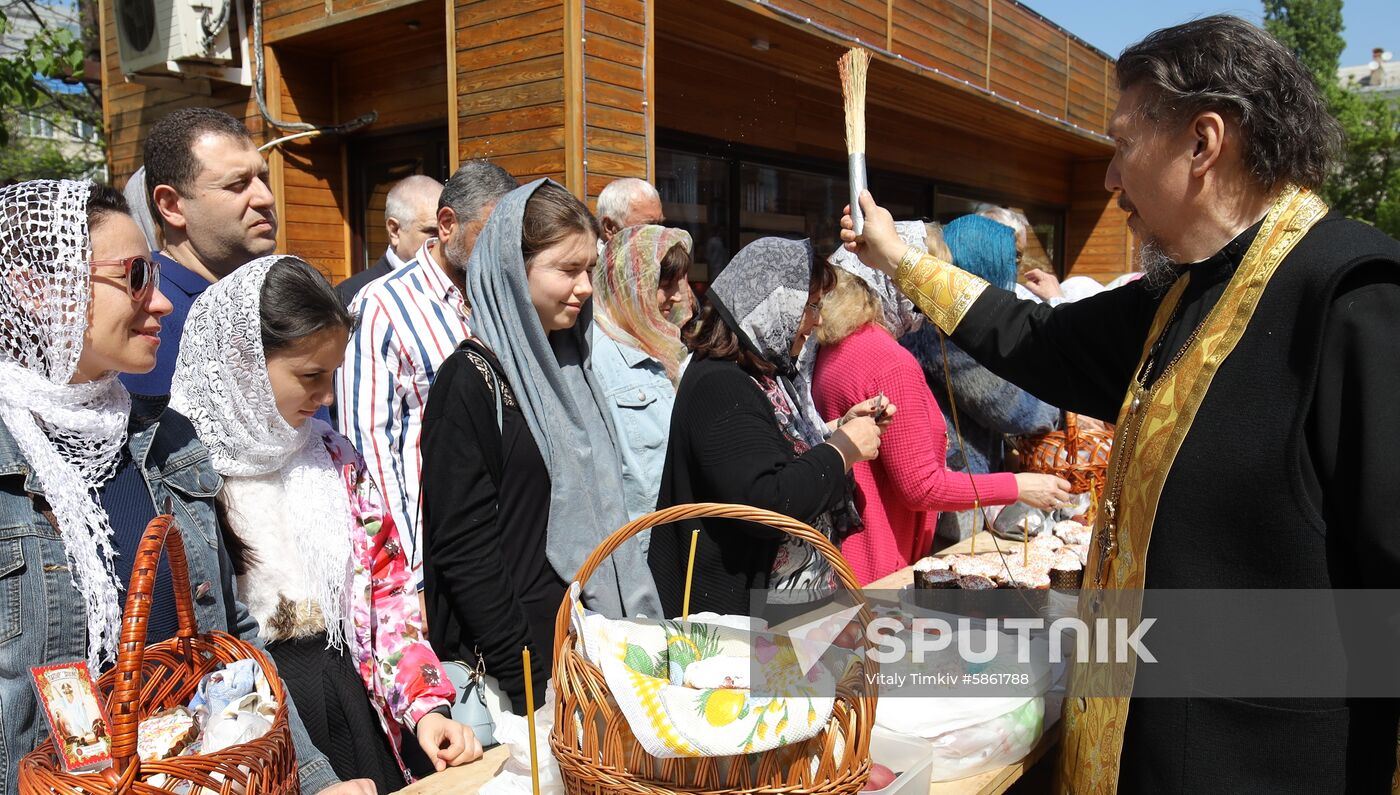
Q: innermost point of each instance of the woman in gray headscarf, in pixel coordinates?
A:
(744, 431)
(521, 478)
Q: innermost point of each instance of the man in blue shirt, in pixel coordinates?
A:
(208, 191)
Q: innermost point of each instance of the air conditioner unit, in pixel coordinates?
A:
(182, 39)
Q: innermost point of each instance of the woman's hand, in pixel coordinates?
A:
(879, 408)
(1046, 492)
(447, 742)
(879, 245)
(1043, 284)
(857, 440)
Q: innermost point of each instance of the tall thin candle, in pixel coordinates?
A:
(689, 574)
(530, 719)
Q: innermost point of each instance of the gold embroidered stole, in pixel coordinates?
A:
(1152, 425)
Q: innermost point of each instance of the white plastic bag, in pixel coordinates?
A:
(988, 745)
(972, 734)
(513, 731)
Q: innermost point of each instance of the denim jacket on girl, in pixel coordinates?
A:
(42, 618)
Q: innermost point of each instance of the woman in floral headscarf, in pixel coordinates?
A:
(744, 431)
(640, 301)
(318, 557)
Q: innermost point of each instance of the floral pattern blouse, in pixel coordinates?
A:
(400, 670)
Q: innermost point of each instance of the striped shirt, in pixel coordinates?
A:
(410, 322)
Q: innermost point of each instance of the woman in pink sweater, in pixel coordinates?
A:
(899, 493)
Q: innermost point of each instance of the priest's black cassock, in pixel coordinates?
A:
(1287, 478)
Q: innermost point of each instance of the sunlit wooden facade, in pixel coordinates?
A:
(732, 107)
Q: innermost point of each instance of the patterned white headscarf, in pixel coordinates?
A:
(221, 385)
(901, 316)
(71, 434)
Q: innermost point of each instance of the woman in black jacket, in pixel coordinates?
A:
(520, 476)
(744, 431)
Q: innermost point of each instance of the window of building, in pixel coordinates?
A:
(695, 197)
(37, 127)
(727, 196)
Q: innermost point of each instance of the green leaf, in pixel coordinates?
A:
(638, 660)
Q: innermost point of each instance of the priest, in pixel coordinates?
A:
(1254, 376)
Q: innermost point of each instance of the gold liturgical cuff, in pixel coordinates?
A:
(942, 291)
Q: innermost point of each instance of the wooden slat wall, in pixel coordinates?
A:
(1028, 59)
(1031, 60)
(510, 84)
(281, 14)
(406, 83)
(864, 19)
(313, 192)
(950, 35)
(1098, 242)
(614, 89)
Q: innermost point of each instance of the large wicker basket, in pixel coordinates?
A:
(1076, 454)
(149, 679)
(598, 754)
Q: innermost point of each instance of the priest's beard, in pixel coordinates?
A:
(1158, 270)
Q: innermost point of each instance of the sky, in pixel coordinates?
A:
(1113, 26)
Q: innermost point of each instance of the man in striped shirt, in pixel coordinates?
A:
(410, 322)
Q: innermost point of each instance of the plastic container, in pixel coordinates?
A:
(910, 757)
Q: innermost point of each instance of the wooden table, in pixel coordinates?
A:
(470, 778)
(464, 779)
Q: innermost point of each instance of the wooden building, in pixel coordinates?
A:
(731, 107)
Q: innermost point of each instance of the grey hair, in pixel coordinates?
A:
(1224, 64)
(1005, 217)
(615, 201)
(478, 184)
(399, 204)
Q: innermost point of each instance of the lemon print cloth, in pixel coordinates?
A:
(657, 670)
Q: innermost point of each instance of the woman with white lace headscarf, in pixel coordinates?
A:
(319, 560)
(78, 304)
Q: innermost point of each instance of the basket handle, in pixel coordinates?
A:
(123, 705)
(704, 510)
(1072, 436)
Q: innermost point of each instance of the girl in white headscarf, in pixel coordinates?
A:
(320, 563)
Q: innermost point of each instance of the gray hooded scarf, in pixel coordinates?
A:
(563, 405)
(762, 295)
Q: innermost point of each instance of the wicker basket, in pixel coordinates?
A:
(598, 754)
(147, 680)
(1076, 454)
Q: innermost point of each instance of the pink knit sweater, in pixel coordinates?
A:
(900, 492)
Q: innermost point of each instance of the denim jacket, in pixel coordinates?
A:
(639, 398)
(42, 617)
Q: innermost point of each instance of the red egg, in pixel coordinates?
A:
(850, 636)
(880, 777)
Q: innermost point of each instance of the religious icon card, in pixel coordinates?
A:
(77, 721)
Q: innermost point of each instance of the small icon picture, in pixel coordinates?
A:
(77, 722)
